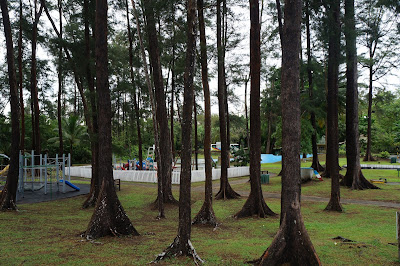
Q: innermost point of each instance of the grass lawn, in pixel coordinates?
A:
(49, 233)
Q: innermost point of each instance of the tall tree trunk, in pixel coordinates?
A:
(160, 194)
(206, 214)
(172, 93)
(196, 140)
(33, 124)
(280, 29)
(291, 245)
(95, 182)
(172, 113)
(354, 177)
(246, 112)
(135, 104)
(255, 204)
(182, 245)
(165, 158)
(20, 73)
(268, 147)
(332, 99)
(60, 83)
(109, 218)
(368, 154)
(315, 162)
(33, 85)
(226, 191)
(9, 193)
(224, 42)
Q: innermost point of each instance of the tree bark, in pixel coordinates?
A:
(226, 191)
(20, 73)
(135, 104)
(368, 154)
(60, 83)
(246, 112)
(33, 81)
(172, 113)
(354, 177)
(196, 138)
(9, 193)
(165, 159)
(206, 215)
(159, 201)
(315, 162)
(182, 245)
(255, 204)
(109, 218)
(291, 245)
(95, 182)
(332, 99)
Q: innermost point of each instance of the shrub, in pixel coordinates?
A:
(384, 155)
(342, 150)
(242, 157)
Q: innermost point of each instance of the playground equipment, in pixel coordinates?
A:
(3, 169)
(307, 174)
(150, 151)
(37, 171)
(379, 181)
(133, 164)
(4, 172)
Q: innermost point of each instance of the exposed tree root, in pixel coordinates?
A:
(255, 205)
(362, 183)
(369, 158)
(109, 218)
(205, 216)
(318, 167)
(170, 202)
(168, 199)
(90, 201)
(357, 181)
(7, 203)
(327, 175)
(334, 205)
(226, 192)
(291, 245)
(179, 249)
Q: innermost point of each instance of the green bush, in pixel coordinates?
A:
(342, 150)
(242, 157)
(384, 155)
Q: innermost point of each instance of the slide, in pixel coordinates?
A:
(70, 184)
(4, 172)
(318, 176)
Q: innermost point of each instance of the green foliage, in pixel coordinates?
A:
(5, 131)
(342, 150)
(385, 124)
(384, 155)
(242, 157)
(75, 139)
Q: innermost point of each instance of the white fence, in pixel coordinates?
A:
(151, 176)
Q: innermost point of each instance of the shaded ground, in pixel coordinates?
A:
(52, 193)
